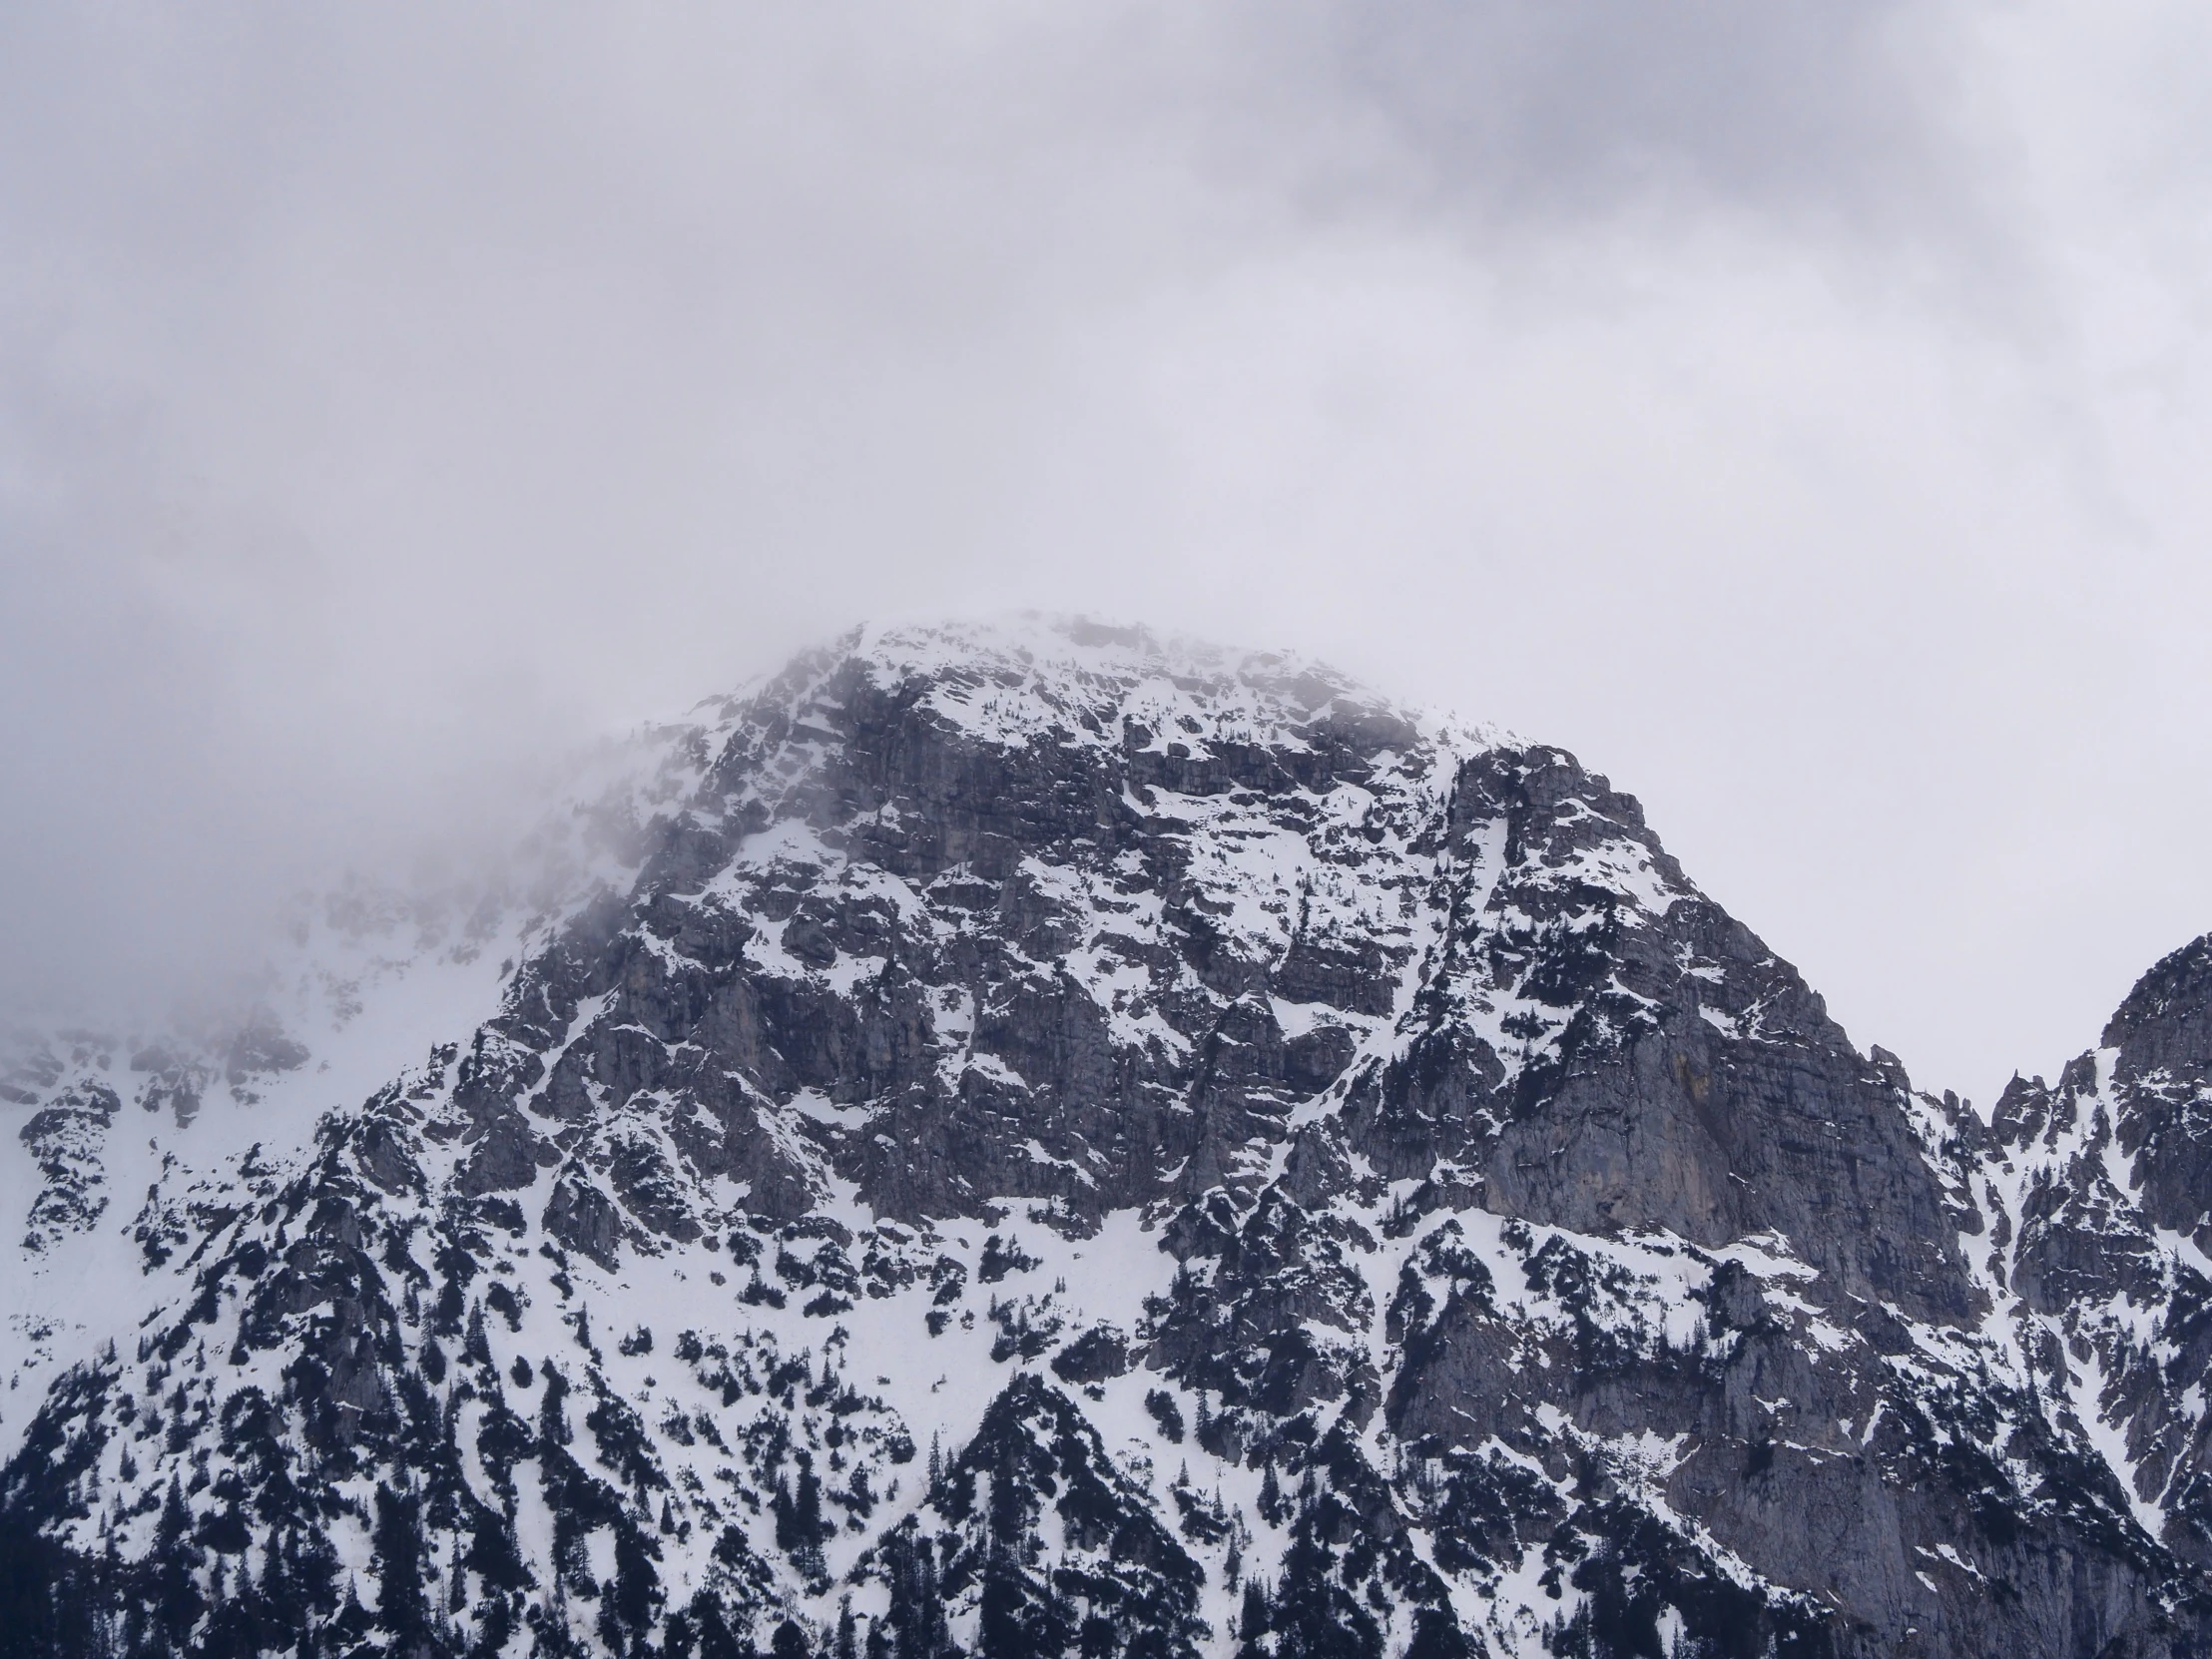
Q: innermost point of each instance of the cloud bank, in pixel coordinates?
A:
(1797, 411)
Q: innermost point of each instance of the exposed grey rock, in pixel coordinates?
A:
(65, 1137)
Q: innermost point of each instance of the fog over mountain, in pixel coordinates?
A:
(1797, 412)
(1027, 831)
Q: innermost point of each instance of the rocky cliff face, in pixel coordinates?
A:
(1035, 1141)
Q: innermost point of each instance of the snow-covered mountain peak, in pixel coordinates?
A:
(1016, 678)
(1032, 1138)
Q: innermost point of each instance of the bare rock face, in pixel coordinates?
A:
(1038, 1140)
(2098, 1189)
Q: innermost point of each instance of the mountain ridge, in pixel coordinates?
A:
(1182, 1054)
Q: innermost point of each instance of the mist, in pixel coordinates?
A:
(1798, 412)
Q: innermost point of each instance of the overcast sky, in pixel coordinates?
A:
(1802, 411)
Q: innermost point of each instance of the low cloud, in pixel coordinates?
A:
(1797, 411)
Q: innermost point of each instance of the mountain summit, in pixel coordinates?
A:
(1038, 1140)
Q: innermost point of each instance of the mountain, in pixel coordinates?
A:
(1040, 1140)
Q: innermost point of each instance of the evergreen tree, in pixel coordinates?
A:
(402, 1601)
(476, 1347)
(1252, 1624)
(906, 1587)
(493, 1551)
(174, 1578)
(1436, 1635)
(50, 1601)
(707, 1621)
(312, 1562)
(916, 1617)
(279, 1594)
(135, 1640)
(1001, 1633)
(234, 1629)
(553, 1428)
(352, 1624)
(1271, 1495)
(807, 1519)
(495, 1623)
(787, 1514)
(935, 1638)
(636, 1593)
(1314, 1617)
